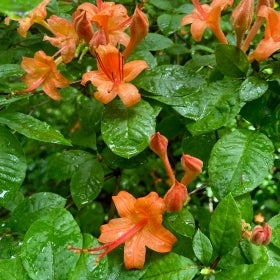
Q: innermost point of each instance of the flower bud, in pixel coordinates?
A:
(192, 167)
(261, 235)
(176, 197)
(158, 144)
(241, 18)
(138, 30)
(82, 25)
(268, 3)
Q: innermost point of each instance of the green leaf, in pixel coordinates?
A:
(239, 162)
(250, 272)
(245, 206)
(8, 70)
(163, 4)
(202, 247)
(182, 222)
(61, 166)
(19, 8)
(12, 165)
(254, 253)
(4, 100)
(33, 208)
(214, 106)
(169, 23)
(44, 249)
(169, 84)
(225, 226)
(170, 267)
(86, 182)
(274, 222)
(127, 131)
(32, 128)
(87, 268)
(231, 61)
(155, 42)
(12, 269)
(253, 88)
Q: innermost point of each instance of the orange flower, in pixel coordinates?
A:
(66, 37)
(113, 76)
(41, 71)
(36, 16)
(206, 16)
(110, 19)
(271, 41)
(140, 226)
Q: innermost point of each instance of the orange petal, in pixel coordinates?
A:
(124, 203)
(158, 238)
(114, 229)
(51, 90)
(128, 93)
(197, 29)
(95, 77)
(133, 68)
(134, 252)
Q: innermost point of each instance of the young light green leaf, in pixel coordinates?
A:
(225, 226)
(32, 128)
(170, 267)
(231, 61)
(33, 208)
(202, 247)
(127, 131)
(86, 182)
(87, 268)
(12, 165)
(249, 272)
(239, 162)
(44, 250)
(182, 222)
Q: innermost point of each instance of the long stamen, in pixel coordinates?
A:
(111, 245)
(199, 8)
(100, 63)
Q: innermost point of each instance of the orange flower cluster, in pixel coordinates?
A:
(102, 27)
(209, 16)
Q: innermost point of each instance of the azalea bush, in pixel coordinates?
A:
(139, 139)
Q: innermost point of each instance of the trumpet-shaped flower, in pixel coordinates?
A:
(113, 76)
(65, 38)
(42, 71)
(38, 15)
(206, 16)
(139, 226)
(271, 41)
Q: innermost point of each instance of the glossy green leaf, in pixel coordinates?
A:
(19, 8)
(169, 23)
(8, 70)
(202, 247)
(12, 269)
(44, 249)
(182, 222)
(225, 226)
(87, 268)
(33, 208)
(171, 266)
(155, 42)
(86, 182)
(12, 165)
(61, 166)
(239, 162)
(232, 259)
(32, 128)
(4, 100)
(127, 131)
(253, 88)
(163, 4)
(214, 106)
(249, 272)
(254, 253)
(231, 61)
(245, 206)
(169, 84)
(274, 222)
